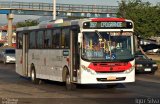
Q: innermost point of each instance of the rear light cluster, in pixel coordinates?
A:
(155, 65)
(88, 69)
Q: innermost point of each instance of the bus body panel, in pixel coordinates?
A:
(49, 63)
(92, 79)
(19, 62)
(89, 76)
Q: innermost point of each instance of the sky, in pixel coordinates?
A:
(98, 2)
(17, 18)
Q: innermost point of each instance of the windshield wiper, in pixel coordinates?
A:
(99, 35)
(100, 40)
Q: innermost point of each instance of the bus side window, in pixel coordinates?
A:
(19, 41)
(53, 39)
(39, 38)
(63, 39)
(48, 39)
(32, 43)
(56, 38)
(65, 42)
(46, 43)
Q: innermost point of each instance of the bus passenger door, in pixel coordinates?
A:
(25, 55)
(75, 55)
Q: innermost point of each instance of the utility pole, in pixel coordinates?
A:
(10, 3)
(54, 9)
(10, 31)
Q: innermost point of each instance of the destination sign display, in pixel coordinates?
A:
(107, 25)
(119, 33)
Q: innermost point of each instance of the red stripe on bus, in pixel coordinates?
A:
(108, 19)
(110, 67)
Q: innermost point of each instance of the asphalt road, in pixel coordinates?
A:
(18, 90)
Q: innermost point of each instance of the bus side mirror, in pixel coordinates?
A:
(121, 32)
(79, 37)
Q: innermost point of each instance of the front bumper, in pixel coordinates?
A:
(146, 70)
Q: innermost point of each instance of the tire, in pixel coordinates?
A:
(152, 73)
(69, 84)
(4, 61)
(33, 76)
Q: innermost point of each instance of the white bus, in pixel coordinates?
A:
(82, 51)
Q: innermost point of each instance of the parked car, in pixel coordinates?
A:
(153, 51)
(7, 55)
(143, 64)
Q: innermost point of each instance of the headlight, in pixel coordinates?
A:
(88, 69)
(154, 65)
(139, 65)
(7, 57)
(92, 71)
(129, 70)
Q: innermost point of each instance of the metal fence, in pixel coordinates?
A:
(59, 7)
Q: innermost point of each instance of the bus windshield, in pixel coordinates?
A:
(107, 46)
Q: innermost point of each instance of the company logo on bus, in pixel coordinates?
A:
(111, 68)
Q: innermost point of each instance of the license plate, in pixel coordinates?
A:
(147, 69)
(111, 78)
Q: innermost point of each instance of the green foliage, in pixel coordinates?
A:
(145, 16)
(27, 23)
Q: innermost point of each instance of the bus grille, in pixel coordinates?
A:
(117, 79)
(110, 71)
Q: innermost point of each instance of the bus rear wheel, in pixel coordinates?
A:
(33, 77)
(69, 84)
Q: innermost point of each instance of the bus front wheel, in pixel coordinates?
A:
(69, 84)
(33, 77)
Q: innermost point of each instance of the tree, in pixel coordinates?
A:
(144, 15)
(27, 23)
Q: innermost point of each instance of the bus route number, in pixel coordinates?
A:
(93, 24)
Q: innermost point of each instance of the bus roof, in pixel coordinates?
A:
(68, 22)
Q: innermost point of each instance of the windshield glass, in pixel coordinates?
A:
(141, 57)
(10, 51)
(106, 46)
